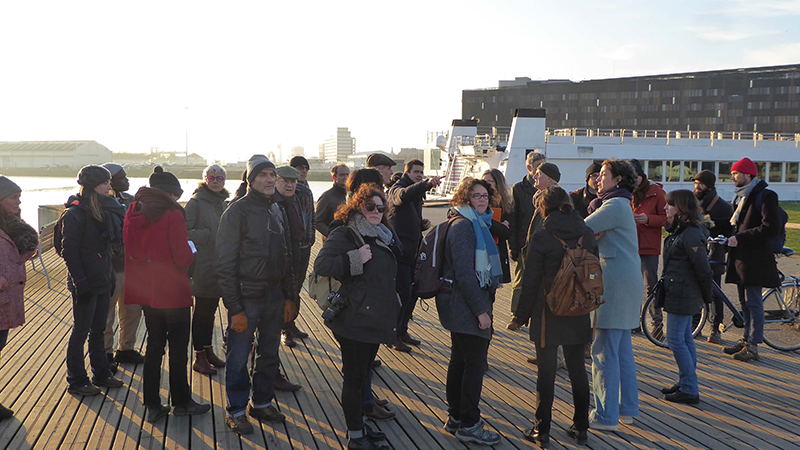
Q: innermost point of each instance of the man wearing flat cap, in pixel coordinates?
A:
(382, 164)
(256, 275)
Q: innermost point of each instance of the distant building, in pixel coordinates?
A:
(762, 99)
(298, 151)
(46, 154)
(339, 147)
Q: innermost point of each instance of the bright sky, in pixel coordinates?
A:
(245, 76)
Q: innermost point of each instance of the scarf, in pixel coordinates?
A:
(487, 260)
(155, 203)
(21, 234)
(617, 192)
(381, 232)
(741, 195)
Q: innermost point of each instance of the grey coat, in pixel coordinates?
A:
(460, 308)
(202, 219)
(623, 285)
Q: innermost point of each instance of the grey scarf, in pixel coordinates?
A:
(381, 232)
(741, 196)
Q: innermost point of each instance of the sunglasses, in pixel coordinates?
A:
(371, 207)
(211, 178)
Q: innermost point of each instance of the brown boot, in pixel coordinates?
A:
(212, 358)
(201, 364)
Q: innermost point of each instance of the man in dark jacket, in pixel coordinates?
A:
(751, 264)
(405, 215)
(306, 199)
(719, 212)
(582, 197)
(255, 271)
(331, 199)
(382, 164)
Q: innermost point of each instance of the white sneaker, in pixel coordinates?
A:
(627, 420)
(593, 424)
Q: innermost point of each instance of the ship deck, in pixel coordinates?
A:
(743, 405)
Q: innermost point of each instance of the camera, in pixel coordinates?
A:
(338, 303)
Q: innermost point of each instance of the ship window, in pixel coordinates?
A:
(673, 171)
(775, 172)
(707, 165)
(724, 175)
(689, 170)
(791, 172)
(762, 167)
(655, 169)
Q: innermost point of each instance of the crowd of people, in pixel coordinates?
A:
(145, 254)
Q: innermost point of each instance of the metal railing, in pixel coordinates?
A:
(712, 136)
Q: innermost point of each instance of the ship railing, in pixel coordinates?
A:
(668, 135)
(484, 140)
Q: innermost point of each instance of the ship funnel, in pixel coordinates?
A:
(527, 134)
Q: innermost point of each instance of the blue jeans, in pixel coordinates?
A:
(753, 312)
(681, 342)
(616, 391)
(89, 320)
(266, 315)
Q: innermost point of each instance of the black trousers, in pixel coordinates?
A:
(545, 385)
(405, 278)
(465, 377)
(205, 309)
(167, 325)
(357, 360)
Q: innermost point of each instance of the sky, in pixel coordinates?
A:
(230, 79)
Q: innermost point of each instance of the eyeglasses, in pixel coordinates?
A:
(211, 178)
(371, 207)
(480, 196)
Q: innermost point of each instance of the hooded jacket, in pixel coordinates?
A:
(157, 252)
(202, 219)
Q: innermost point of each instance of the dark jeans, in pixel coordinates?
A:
(545, 385)
(753, 313)
(3, 339)
(357, 360)
(167, 325)
(205, 309)
(405, 278)
(719, 308)
(266, 316)
(89, 320)
(468, 356)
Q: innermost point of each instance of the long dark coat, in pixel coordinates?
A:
(203, 212)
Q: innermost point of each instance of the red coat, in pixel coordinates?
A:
(156, 257)
(12, 300)
(650, 233)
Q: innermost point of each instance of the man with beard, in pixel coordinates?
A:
(719, 212)
(582, 197)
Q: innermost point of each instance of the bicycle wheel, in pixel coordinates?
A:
(782, 318)
(652, 325)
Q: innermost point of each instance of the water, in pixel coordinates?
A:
(38, 191)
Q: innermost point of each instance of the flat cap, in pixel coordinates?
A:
(288, 172)
(379, 159)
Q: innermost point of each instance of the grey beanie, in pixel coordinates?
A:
(114, 168)
(255, 165)
(8, 187)
(92, 176)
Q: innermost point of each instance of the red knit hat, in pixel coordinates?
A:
(746, 166)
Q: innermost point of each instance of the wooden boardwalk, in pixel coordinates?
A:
(744, 406)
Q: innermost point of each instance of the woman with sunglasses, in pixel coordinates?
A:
(472, 261)
(202, 218)
(362, 255)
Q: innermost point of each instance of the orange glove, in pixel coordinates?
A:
(289, 311)
(239, 322)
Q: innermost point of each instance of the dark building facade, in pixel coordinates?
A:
(763, 99)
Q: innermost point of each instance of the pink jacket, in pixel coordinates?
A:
(12, 300)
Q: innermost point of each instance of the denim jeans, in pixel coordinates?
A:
(753, 312)
(167, 325)
(266, 315)
(465, 377)
(616, 391)
(357, 360)
(546, 361)
(89, 320)
(405, 278)
(681, 342)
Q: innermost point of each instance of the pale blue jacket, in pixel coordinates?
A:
(623, 285)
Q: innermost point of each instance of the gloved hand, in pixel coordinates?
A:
(239, 322)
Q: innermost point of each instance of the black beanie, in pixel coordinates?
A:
(637, 166)
(594, 167)
(706, 177)
(299, 161)
(551, 170)
(165, 181)
(92, 176)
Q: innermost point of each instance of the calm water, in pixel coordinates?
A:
(56, 190)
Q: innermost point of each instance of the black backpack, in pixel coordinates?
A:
(777, 242)
(58, 235)
(428, 273)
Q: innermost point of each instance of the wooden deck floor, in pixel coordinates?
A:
(744, 406)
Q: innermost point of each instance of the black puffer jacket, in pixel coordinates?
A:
(542, 261)
(253, 250)
(371, 315)
(522, 214)
(405, 214)
(203, 212)
(752, 263)
(687, 273)
(86, 245)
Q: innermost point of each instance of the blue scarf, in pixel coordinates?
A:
(487, 260)
(614, 193)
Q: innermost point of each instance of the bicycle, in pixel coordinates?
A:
(781, 312)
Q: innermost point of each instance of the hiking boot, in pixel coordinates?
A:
(671, 390)
(478, 434)
(401, 346)
(191, 408)
(735, 348)
(581, 436)
(295, 332)
(5, 413)
(363, 443)
(533, 435)
(284, 385)
(129, 356)
(86, 389)
(288, 340)
(240, 425)
(747, 354)
(213, 359)
(681, 397)
(268, 414)
(452, 425)
(715, 337)
(109, 382)
(513, 325)
(156, 412)
(201, 364)
(410, 340)
(378, 413)
(374, 435)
